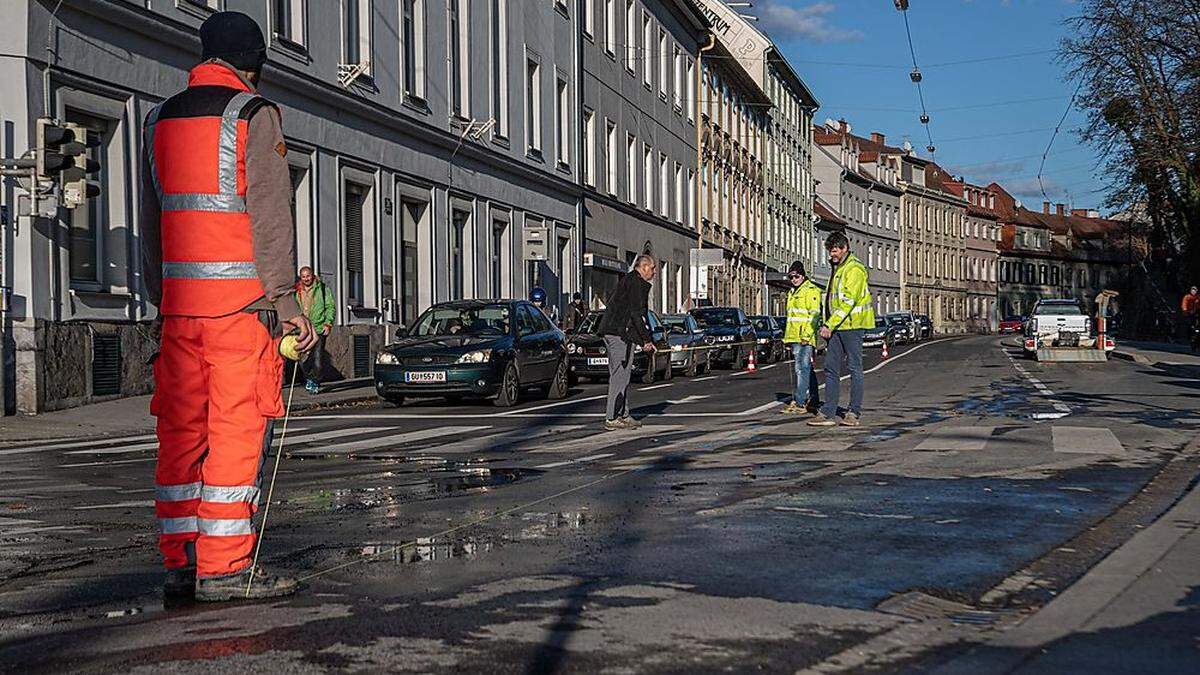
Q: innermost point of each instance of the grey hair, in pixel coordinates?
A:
(642, 259)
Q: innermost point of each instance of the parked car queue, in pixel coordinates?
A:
(501, 350)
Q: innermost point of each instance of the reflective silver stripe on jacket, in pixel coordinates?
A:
(177, 493)
(227, 149)
(209, 270)
(238, 494)
(185, 525)
(203, 202)
(225, 527)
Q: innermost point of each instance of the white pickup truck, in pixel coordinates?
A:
(1060, 330)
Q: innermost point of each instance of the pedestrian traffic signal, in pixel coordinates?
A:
(76, 188)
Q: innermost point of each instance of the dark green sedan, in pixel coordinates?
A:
(475, 349)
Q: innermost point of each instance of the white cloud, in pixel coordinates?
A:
(1028, 190)
(786, 22)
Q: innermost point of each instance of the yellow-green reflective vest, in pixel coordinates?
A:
(803, 314)
(849, 303)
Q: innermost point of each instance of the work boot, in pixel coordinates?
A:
(615, 425)
(850, 420)
(631, 423)
(791, 409)
(179, 583)
(233, 586)
(820, 420)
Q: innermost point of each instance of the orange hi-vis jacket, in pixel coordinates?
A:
(196, 143)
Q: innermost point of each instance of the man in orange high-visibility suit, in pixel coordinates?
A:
(219, 249)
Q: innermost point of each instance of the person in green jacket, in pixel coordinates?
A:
(849, 311)
(803, 317)
(317, 304)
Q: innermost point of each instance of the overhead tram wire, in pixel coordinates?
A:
(1057, 127)
(916, 77)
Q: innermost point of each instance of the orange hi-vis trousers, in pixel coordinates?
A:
(218, 384)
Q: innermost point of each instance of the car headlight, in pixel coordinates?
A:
(676, 348)
(387, 359)
(572, 347)
(762, 341)
(708, 339)
(479, 356)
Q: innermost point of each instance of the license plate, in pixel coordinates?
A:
(598, 361)
(425, 376)
(724, 338)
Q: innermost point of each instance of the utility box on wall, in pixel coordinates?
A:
(537, 243)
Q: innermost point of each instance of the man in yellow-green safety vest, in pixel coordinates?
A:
(800, 334)
(848, 312)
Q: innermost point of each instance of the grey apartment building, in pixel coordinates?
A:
(424, 137)
(638, 166)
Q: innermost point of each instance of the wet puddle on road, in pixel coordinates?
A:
(402, 487)
(532, 526)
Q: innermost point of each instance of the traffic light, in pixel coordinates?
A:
(55, 143)
(76, 188)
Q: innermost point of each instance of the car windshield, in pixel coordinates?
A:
(1059, 309)
(463, 320)
(880, 323)
(717, 317)
(676, 323)
(590, 323)
(761, 323)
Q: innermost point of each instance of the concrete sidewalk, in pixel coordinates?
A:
(1150, 353)
(1138, 611)
(132, 415)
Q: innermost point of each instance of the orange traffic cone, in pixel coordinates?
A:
(885, 350)
(752, 364)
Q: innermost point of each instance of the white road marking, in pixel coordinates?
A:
(395, 439)
(513, 413)
(77, 444)
(658, 386)
(115, 505)
(769, 367)
(761, 408)
(690, 399)
(154, 446)
(108, 463)
(1086, 440)
(580, 460)
(705, 378)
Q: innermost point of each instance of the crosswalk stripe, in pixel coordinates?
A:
(293, 436)
(389, 440)
(75, 444)
(580, 460)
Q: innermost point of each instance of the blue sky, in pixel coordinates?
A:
(991, 119)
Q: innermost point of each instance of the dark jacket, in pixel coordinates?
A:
(625, 312)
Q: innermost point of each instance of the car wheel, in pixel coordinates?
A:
(510, 388)
(394, 399)
(561, 383)
(651, 366)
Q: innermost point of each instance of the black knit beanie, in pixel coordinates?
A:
(234, 38)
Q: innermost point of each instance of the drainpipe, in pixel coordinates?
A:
(712, 42)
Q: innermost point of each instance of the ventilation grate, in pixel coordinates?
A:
(106, 365)
(362, 356)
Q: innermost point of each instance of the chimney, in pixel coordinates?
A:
(877, 137)
(1046, 208)
(1058, 209)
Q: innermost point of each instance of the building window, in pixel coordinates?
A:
(356, 33)
(664, 59)
(677, 57)
(533, 107)
(679, 207)
(301, 203)
(458, 29)
(664, 186)
(459, 222)
(589, 148)
(500, 256)
(412, 48)
(355, 203)
(589, 18)
(499, 33)
(647, 50)
(610, 157)
(88, 224)
(631, 50)
(562, 104)
(631, 168)
(610, 27)
(287, 21)
(412, 214)
(648, 177)
(690, 103)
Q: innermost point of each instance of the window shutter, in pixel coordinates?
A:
(354, 227)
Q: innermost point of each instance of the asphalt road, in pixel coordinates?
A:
(721, 536)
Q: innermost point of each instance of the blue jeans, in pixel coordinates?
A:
(806, 375)
(844, 345)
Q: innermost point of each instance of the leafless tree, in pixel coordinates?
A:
(1137, 64)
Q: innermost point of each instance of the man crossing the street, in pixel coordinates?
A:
(624, 326)
(803, 317)
(219, 250)
(848, 312)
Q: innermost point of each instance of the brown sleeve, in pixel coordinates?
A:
(149, 216)
(268, 202)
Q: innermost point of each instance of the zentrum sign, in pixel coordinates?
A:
(739, 37)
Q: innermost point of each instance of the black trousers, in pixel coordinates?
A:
(313, 364)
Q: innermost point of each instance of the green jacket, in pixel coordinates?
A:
(322, 312)
(848, 297)
(803, 314)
